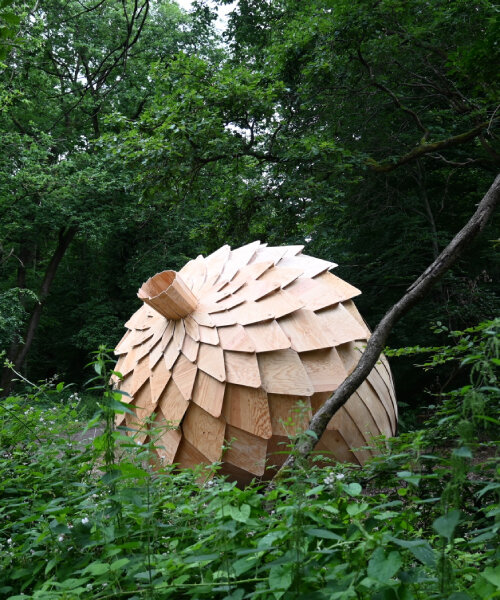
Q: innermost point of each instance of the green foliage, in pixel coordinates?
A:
(102, 521)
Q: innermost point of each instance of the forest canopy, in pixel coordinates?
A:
(136, 136)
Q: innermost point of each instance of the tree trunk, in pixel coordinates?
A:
(19, 355)
(377, 341)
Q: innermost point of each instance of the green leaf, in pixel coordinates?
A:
(353, 489)
(322, 533)
(118, 564)
(446, 524)
(280, 579)
(383, 567)
(97, 568)
(492, 574)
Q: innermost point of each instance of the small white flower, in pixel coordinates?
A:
(85, 520)
(9, 541)
(89, 586)
(61, 538)
(340, 476)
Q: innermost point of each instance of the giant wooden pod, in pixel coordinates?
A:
(238, 350)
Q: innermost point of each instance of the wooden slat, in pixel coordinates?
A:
(170, 355)
(238, 259)
(129, 362)
(278, 449)
(167, 443)
(247, 408)
(143, 404)
(353, 311)
(192, 328)
(159, 378)
(158, 330)
(209, 335)
(293, 250)
(251, 312)
(140, 376)
(188, 457)
(215, 264)
(137, 320)
(139, 336)
(172, 404)
(168, 334)
(155, 355)
(273, 253)
(179, 333)
(340, 325)
(250, 272)
(124, 344)
(376, 408)
(325, 369)
(225, 304)
(184, 373)
(281, 276)
(194, 272)
(208, 393)
(211, 361)
(363, 417)
(190, 348)
(255, 290)
(202, 318)
(311, 267)
(242, 368)
(267, 336)
(204, 432)
(235, 338)
(343, 422)
(245, 450)
(306, 331)
(321, 292)
(332, 441)
(280, 304)
(282, 372)
(290, 415)
(224, 318)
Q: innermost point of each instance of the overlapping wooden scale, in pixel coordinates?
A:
(272, 335)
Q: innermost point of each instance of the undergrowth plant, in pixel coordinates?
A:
(101, 520)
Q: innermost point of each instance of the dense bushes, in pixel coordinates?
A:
(420, 521)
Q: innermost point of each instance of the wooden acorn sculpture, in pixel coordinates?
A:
(235, 352)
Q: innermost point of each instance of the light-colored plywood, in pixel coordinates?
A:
(290, 415)
(267, 336)
(124, 344)
(170, 355)
(190, 348)
(167, 442)
(343, 422)
(202, 318)
(188, 457)
(208, 393)
(247, 408)
(325, 369)
(140, 376)
(306, 331)
(242, 368)
(246, 451)
(184, 373)
(179, 333)
(282, 372)
(311, 267)
(192, 328)
(224, 318)
(194, 273)
(281, 276)
(257, 289)
(353, 311)
(265, 328)
(159, 378)
(172, 404)
(235, 338)
(204, 432)
(334, 442)
(209, 335)
(280, 304)
(340, 325)
(251, 312)
(211, 361)
(273, 253)
(167, 334)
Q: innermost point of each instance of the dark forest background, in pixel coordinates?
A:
(135, 136)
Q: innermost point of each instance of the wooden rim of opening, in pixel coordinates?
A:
(167, 293)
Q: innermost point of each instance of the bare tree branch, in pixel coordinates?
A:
(414, 294)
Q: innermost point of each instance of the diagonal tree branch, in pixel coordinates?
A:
(414, 294)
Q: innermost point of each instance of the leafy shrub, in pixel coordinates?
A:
(420, 521)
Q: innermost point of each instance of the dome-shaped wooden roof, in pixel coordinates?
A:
(239, 349)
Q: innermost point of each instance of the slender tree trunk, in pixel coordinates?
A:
(414, 294)
(20, 352)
